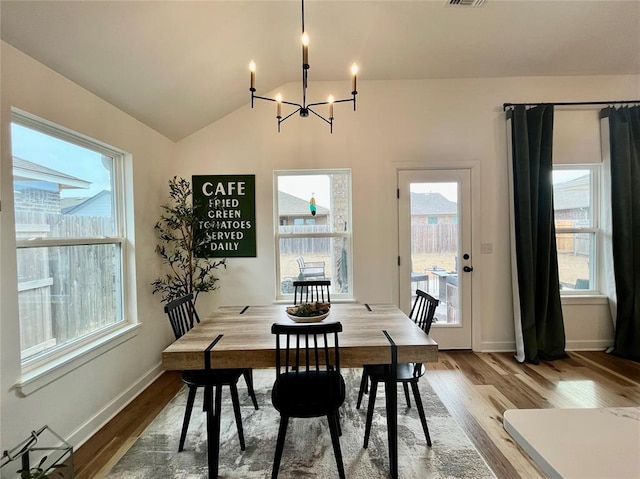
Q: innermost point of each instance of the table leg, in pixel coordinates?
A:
(391, 396)
(213, 427)
(391, 401)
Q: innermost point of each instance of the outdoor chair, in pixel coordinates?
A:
(308, 380)
(311, 269)
(182, 315)
(422, 313)
(311, 291)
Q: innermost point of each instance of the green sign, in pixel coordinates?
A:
(226, 206)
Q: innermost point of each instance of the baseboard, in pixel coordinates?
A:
(574, 345)
(498, 347)
(588, 345)
(86, 430)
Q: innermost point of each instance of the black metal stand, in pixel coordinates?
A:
(58, 456)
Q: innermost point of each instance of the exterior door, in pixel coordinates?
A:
(434, 211)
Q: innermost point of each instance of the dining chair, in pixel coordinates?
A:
(311, 291)
(308, 380)
(183, 316)
(422, 313)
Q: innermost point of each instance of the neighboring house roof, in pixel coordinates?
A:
(572, 194)
(290, 205)
(432, 204)
(96, 205)
(29, 171)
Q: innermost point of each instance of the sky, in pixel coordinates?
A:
(61, 156)
(448, 190)
(303, 186)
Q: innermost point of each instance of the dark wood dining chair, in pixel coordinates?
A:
(422, 313)
(183, 316)
(311, 291)
(308, 380)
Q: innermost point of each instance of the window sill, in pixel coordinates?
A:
(39, 377)
(584, 299)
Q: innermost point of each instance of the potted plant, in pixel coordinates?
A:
(179, 243)
(41, 471)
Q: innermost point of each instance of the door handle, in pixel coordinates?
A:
(467, 269)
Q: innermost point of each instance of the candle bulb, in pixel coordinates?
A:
(278, 105)
(330, 106)
(354, 72)
(305, 49)
(252, 69)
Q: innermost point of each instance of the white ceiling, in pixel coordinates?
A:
(178, 66)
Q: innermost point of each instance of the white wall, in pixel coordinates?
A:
(431, 123)
(76, 404)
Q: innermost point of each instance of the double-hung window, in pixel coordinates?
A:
(575, 201)
(69, 227)
(312, 217)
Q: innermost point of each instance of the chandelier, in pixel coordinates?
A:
(305, 108)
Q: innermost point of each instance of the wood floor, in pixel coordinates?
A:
(476, 388)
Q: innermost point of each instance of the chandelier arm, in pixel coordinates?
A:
(318, 115)
(328, 102)
(274, 100)
(292, 113)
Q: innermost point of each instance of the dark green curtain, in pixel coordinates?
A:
(543, 334)
(624, 137)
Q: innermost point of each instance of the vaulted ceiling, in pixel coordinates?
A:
(178, 66)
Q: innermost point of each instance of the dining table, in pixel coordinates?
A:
(240, 337)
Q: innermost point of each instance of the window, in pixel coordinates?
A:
(69, 236)
(313, 236)
(576, 220)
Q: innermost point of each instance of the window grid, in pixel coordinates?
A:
(323, 239)
(62, 312)
(583, 240)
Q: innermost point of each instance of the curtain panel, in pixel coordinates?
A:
(538, 317)
(624, 158)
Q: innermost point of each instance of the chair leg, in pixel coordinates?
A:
(372, 402)
(423, 419)
(187, 416)
(406, 394)
(248, 377)
(334, 426)
(363, 388)
(282, 432)
(236, 410)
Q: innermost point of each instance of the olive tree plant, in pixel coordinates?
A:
(178, 247)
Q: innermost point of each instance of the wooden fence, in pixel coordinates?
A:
(305, 246)
(58, 300)
(438, 238)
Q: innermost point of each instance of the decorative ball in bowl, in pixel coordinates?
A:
(308, 312)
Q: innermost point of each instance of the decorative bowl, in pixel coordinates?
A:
(307, 319)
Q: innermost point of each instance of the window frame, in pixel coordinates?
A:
(335, 234)
(50, 364)
(595, 173)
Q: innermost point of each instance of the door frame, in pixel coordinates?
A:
(474, 170)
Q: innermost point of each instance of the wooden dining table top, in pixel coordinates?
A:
(240, 337)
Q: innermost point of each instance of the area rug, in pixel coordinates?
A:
(308, 452)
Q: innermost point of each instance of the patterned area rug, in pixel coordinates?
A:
(308, 452)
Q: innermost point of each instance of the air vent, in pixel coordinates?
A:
(464, 3)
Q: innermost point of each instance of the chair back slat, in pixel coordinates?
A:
(182, 315)
(423, 310)
(311, 291)
(307, 347)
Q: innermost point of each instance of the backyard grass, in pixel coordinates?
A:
(571, 267)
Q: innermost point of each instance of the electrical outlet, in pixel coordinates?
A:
(486, 248)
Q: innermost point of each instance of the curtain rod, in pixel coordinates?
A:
(505, 106)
